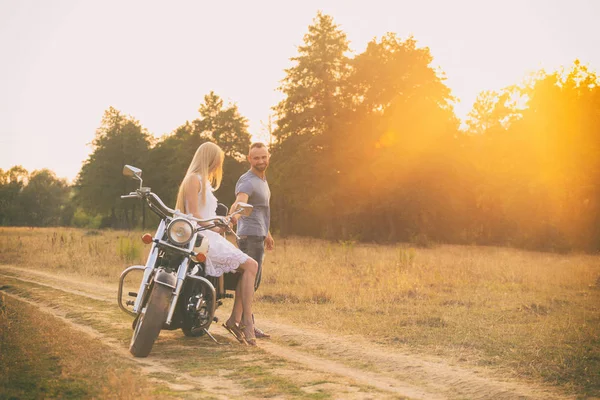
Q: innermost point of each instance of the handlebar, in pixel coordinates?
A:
(161, 204)
(153, 198)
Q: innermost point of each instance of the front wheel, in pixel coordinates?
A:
(150, 321)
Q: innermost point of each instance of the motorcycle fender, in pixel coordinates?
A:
(165, 278)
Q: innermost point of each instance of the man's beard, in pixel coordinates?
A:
(261, 167)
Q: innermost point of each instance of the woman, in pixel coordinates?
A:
(196, 197)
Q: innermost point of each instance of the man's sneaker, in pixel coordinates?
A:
(260, 334)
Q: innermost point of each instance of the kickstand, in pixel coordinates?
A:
(212, 337)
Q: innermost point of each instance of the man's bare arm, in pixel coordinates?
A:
(240, 198)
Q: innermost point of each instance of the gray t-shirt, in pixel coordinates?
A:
(259, 195)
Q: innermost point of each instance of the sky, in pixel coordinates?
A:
(64, 62)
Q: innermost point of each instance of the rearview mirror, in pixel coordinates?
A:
(133, 172)
(244, 209)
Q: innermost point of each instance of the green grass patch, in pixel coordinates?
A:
(41, 357)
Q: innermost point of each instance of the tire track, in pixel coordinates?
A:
(392, 371)
(321, 365)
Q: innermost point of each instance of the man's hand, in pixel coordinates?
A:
(269, 242)
(221, 228)
(240, 198)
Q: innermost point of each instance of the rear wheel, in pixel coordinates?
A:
(150, 321)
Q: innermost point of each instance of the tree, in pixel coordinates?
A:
(537, 155)
(120, 140)
(223, 125)
(559, 131)
(313, 87)
(36, 199)
(12, 183)
(45, 200)
(493, 112)
(169, 159)
(402, 141)
(307, 121)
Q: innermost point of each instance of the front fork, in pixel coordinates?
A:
(148, 269)
(181, 275)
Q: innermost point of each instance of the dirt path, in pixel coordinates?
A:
(354, 367)
(220, 388)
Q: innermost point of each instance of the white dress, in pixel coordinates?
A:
(222, 256)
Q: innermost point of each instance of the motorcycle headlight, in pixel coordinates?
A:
(180, 231)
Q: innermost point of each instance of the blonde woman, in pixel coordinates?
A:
(196, 197)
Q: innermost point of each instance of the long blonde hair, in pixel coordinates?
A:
(208, 164)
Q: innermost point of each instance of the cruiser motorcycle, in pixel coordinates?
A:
(174, 292)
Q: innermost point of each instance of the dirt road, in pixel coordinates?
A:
(296, 362)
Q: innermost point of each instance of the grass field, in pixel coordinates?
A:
(533, 315)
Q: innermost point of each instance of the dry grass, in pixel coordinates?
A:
(88, 253)
(533, 314)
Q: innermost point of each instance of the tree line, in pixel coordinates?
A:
(367, 147)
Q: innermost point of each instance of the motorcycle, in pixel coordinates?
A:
(175, 291)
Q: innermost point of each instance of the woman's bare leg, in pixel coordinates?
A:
(250, 268)
(244, 294)
(237, 310)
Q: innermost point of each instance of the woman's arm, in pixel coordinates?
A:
(191, 188)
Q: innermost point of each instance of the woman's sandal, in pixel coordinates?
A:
(236, 331)
(250, 340)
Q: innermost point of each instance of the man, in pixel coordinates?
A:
(253, 231)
